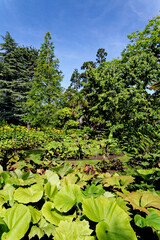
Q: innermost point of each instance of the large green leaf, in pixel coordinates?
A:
(150, 200)
(69, 179)
(78, 230)
(48, 228)
(67, 197)
(52, 177)
(152, 220)
(26, 180)
(118, 181)
(35, 214)
(147, 173)
(114, 222)
(142, 201)
(30, 194)
(51, 190)
(36, 231)
(140, 221)
(43, 228)
(63, 170)
(52, 215)
(17, 219)
(93, 190)
(6, 194)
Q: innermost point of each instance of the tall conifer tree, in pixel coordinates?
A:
(16, 71)
(46, 87)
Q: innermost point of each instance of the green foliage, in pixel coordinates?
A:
(30, 194)
(155, 85)
(53, 216)
(152, 220)
(108, 215)
(112, 104)
(77, 201)
(17, 219)
(16, 72)
(45, 91)
(73, 230)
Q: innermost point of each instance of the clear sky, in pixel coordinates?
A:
(78, 27)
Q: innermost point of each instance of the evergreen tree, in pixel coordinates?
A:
(16, 72)
(75, 80)
(101, 55)
(46, 89)
(7, 77)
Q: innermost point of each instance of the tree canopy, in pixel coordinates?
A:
(16, 72)
(46, 89)
(105, 95)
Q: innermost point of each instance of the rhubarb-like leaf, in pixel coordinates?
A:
(69, 179)
(52, 215)
(113, 221)
(118, 181)
(36, 231)
(142, 201)
(93, 190)
(140, 221)
(150, 200)
(17, 219)
(30, 194)
(35, 214)
(147, 173)
(67, 197)
(51, 190)
(78, 230)
(63, 170)
(52, 177)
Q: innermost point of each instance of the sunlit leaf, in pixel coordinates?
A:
(113, 221)
(51, 190)
(73, 230)
(69, 179)
(52, 177)
(67, 197)
(17, 219)
(30, 194)
(52, 215)
(35, 214)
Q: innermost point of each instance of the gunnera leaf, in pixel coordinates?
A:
(140, 221)
(17, 219)
(73, 230)
(118, 181)
(67, 197)
(51, 190)
(52, 177)
(52, 215)
(93, 190)
(69, 179)
(147, 173)
(114, 220)
(151, 220)
(47, 228)
(30, 194)
(36, 231)
(63, 170)
(142, 200)
(35, 214)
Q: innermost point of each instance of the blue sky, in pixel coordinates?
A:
(78, 27)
